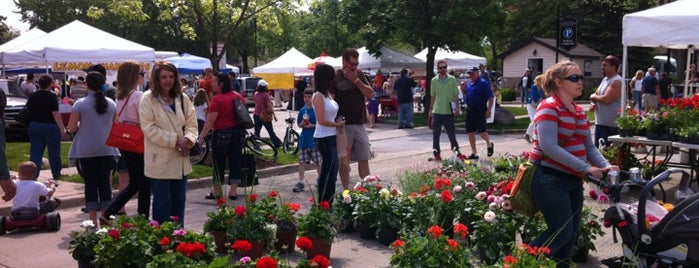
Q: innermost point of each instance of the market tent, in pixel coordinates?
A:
(673, 25)
(280, 72)
(455, 59)
(22, 39)
(78, 41)
(390, 59)
(190, 64)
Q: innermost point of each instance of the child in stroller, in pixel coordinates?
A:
(28, 209)
(655, 238)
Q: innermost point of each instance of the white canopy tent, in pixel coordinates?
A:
(191, 64)
(390, 60)
(78, 41)
(20, 40)
(292, 61)
(455, 59)
(674, 25)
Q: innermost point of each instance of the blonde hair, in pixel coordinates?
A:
(639, 74)
(557, 71)
(26, 170)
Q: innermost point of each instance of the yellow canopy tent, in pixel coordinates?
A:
(278, 80)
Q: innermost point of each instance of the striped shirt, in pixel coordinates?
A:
(573, 130)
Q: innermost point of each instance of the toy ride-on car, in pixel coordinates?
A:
(30, 218)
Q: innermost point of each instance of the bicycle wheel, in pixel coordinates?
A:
(200, 158)
(260, 146)
(291, 142)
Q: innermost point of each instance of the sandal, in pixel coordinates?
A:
(491, 149)
(211, 196)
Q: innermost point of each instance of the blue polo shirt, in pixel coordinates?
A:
(478, 93)
(306, 137)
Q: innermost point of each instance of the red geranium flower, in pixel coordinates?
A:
(440, 183)
(452, 244)
(321, 261)
(447, 196)
(165, 241)
(114, 233)
(304, 243)
(126, 225)
(266, 262)
(221, 201)
(312, 200)
(398, 244)
(293, 206)
(461, 230)
(240, 211)
(191, 249)
(435, 231)
(324, 204)
(241, 245)
(509, 259)
(252, 198)
(273, 194)
(175, 218)
(424, 188)
(593, 194)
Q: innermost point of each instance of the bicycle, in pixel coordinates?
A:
(259, 146)
(205, 149)
(290, 144)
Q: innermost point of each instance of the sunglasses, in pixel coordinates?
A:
(354, 64)
(574, 78)
(442, 67)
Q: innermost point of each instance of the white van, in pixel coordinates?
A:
(16, 100)
(662, 66)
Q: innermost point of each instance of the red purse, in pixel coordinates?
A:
(125, 136)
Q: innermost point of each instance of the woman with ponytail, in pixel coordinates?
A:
(93, 158)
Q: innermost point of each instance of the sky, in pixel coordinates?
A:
(6, 8)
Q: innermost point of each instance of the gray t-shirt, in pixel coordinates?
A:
(89, 140)
(606, 114)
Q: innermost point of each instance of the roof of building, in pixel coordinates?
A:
(580, 51)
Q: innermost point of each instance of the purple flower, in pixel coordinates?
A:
(179, 232)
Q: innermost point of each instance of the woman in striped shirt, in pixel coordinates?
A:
(564, 149)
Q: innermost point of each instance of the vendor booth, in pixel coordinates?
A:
(190, 64)
(455, 59)
(280, 72)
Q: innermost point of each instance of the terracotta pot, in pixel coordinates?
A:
(320, 247)
(220, 240)
(257, 250)
(286, 241)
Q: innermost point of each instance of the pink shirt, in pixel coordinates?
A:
(262, 99)
(130, 112)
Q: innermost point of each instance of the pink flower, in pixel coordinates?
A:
(593, 194)
(481, 195)
(175, 218)
(154, 224)
(245, 260)
(114, 233)
(491, 198)
(179, 232)
(603, 198)
(470, 185)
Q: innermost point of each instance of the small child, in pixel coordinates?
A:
(30, 191)
(201, 103)
(307, 122)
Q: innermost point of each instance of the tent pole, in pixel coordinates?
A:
(690, 49)
(624, 95)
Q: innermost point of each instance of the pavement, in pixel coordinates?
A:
(348, 249)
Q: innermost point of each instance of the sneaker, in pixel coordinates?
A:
(472, 156)
(298, 187)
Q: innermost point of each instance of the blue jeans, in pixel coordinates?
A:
(97, 173)
(270, 130)
(227, 149)
(446, 120)
(41, 136)
(638, 100)
(405, 114)
(603, 132)
(169, 198)
(559, 196)
(138, 183)
(327, 146)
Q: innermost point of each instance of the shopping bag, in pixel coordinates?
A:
(521, 195)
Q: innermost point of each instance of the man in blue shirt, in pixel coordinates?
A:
(479, 98)
(651, 91)
(404, 93)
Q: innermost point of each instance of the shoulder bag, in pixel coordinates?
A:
(242, 116)
(127, 137)
(267, 113)
(521, 195)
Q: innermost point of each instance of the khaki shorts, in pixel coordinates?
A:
(357, 143)
(649, 100)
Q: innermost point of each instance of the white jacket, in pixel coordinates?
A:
(161, 128)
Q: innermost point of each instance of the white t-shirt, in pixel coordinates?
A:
(28, 193)
(201, 111)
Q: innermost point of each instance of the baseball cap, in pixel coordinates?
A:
(97, 68)
(472, 69)
(262, 83)
(651, 69)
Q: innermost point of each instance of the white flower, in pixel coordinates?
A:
(457, 189)
(87, 224)
(507, 204)
(493, 206)
(505, 196)
(489, 216)
(102, 231)
(498, 200)
(385, 193)
(347, 199)
(271, 228)
(470, 185)
(481, 195)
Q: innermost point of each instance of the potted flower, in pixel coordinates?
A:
(366, 209)
(317, 226)
(343, 209)
(284, 216)
(82, 244)
(526, 256)
(251, 224)
(390, 220)
(629, 123)
(588, 230)
(218, 224)
(433, 249)
(689, 134)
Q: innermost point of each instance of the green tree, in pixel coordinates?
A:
(6, 34)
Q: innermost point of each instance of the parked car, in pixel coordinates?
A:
(16, 100)
(247, 89)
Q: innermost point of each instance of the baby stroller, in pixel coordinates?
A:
(673, 239)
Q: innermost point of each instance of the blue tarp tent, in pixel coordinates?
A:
(190, 64)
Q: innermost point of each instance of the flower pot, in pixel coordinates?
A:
(320, 247)
(580, 254)
(85, 263)
(365, 232)
(689, 140)
(347, 227)
(387, 236)
(659, 135)
(220, 240)
(286, 241)
(623, 132)
(257, 250)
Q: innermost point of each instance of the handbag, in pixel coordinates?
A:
(127, 137)
(242, 116)
(521, 195)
